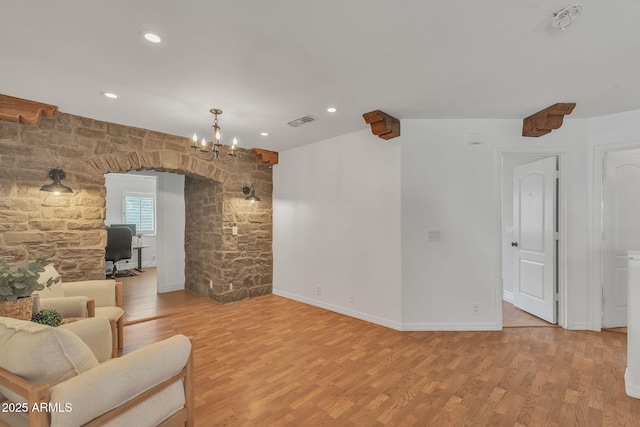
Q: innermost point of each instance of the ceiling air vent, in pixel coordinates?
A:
(301, 120)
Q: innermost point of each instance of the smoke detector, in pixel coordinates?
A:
(300, 121)
(564, 17)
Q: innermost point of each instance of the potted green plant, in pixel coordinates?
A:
(47, 316)
(17, 283)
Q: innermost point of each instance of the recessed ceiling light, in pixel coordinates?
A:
(332, 109)
(153, 38)
(264, 133)
(110, 95)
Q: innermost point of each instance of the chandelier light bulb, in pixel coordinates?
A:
(203, 142)
(218, 136)
(195, 138)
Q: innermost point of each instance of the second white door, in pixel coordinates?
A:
(621, 231)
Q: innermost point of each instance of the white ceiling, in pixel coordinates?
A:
(267, 62)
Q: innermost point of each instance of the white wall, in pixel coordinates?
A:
(171, 225)
(455, 187)
(445, 185)
(166, 248)
(323, 220)
(336, 225)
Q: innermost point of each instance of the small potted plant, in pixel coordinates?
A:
(47, 316)
(17, 283)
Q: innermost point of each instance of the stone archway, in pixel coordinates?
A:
(70, 230)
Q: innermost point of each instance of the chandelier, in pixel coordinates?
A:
(209, 151)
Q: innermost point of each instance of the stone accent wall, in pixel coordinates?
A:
(69, 229)
(203, 238)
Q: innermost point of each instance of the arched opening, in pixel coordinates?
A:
(69, 230)
(217, 264)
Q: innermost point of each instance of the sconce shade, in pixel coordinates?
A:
(57, 175)
(251, 197)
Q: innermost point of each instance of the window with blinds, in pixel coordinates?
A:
(140, 209)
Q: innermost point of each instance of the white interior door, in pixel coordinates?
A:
(621, 231)
(534, 238)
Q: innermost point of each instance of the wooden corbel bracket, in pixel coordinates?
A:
(544, 121)
(382, 124)
(265, 156)
(24, 111)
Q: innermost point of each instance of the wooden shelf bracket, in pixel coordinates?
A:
(24, 111)
(265, 156)
(544, 121)
(382, 124)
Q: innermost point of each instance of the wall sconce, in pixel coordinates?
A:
(251, 197)
(57, 188)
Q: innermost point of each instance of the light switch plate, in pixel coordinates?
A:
(433, 234)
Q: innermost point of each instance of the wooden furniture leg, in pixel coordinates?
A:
(114, 346)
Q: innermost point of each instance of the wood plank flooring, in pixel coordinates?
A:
(142, 302)
(513, 317)
(276, 362)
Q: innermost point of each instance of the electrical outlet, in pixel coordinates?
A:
(210, 284)
(230, 286)
(476, 308)
(318, 290)
(352, 298)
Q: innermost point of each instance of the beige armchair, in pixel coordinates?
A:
(102, 298)
(52, 377)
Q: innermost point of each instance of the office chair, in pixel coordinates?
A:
(118, 246)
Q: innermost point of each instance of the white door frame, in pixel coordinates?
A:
(562, 227)
(596, 270)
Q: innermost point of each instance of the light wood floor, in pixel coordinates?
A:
(513, 317)
(275, 362)
(142, 302)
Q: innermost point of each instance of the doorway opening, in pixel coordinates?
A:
(533, 201)
(154, 201)
(620, 230)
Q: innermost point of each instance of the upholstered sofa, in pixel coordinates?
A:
(65, 376)
(102, 298)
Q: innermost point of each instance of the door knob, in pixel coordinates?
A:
(514, 244)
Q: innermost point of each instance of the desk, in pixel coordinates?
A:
(139, 248)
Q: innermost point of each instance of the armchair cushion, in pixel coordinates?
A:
(96, 334)
(54, 354)
(102, 291)
(118, 380)
(66, 306)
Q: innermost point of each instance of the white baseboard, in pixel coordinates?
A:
(424, 327)
(337, 309)
(171, 289)
(579, 326)
(507, 296)
(390, 323)
(631, 389)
